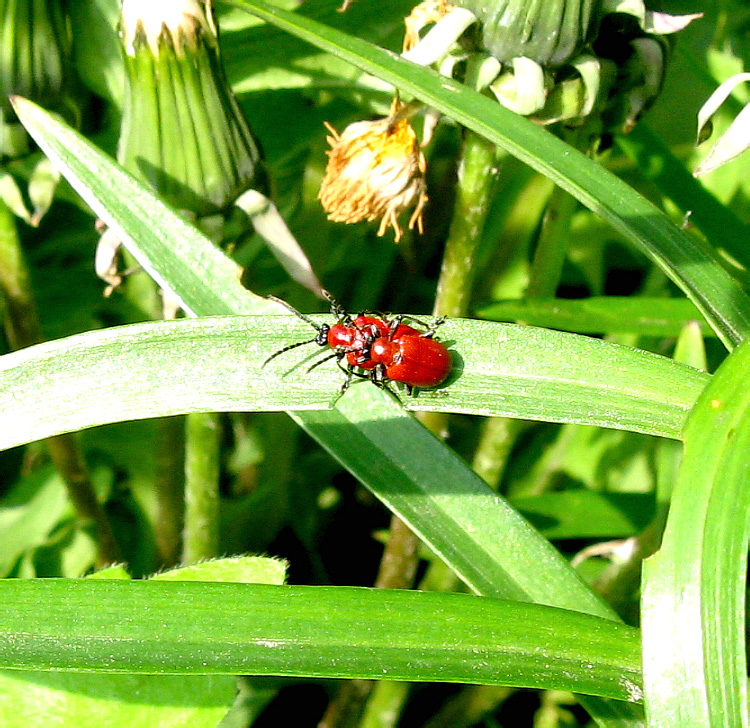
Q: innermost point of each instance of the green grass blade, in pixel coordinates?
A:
(694, 588)
(215, 365)
(690, 264)
(434, 493)
(657, 163)
(601, 314)
(322, 632)
(204, 279)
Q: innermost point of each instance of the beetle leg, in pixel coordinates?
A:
(393, 325)
(431, 328)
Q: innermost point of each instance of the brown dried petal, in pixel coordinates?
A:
(375, 170)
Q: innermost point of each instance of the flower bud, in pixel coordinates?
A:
(182, 129)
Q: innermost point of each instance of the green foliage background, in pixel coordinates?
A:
(582, 445)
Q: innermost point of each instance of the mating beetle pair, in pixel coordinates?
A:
(378, 348)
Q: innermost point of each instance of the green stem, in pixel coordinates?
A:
(400, 557)
(201, 534)
(170, 488)
(476, 177)
(469, 706)
(496, 441)
(549, 258)
(386, 705)
(21, 322)
(398, 567)
(169, 446)
(23, 328)
(475, 181)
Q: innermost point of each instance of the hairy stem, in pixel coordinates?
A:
(201, 533)
(170, 488)
(476, 175)
(549, 258)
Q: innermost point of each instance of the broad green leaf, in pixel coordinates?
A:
(601, 314)
(586, 513)
(117, 571)
(693, 612)
(29, 513)
(690, 264)
(216, 364)
(70, 700)
(467, 528)
(88, 625)
(245, 569)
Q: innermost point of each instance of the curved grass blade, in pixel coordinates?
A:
(197, 273)
(693, 613)
(215, 365)
(657, 163)
(324, 632)
(644, 316)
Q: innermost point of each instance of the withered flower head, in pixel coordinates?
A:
(375, 169)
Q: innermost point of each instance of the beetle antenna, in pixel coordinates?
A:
(336, 308)
(298, 314)
(288, 348)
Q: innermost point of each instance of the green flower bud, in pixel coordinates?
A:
(34, 62)
(185, 136)
(182, 130)
(555, 60)
(550, 32)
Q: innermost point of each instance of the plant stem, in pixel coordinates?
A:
(170, 487)
(400, 558)
(398, 566)
(169, 445)
(469, 706)
(476, 175)
(386, 705)
(549, 258)
(201, 533)
(496, 441)
(23, 328)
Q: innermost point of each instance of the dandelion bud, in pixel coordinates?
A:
(182, 129)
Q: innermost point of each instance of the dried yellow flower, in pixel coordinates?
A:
(375, 169)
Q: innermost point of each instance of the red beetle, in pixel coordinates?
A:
(378, 349)
(416, 360)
